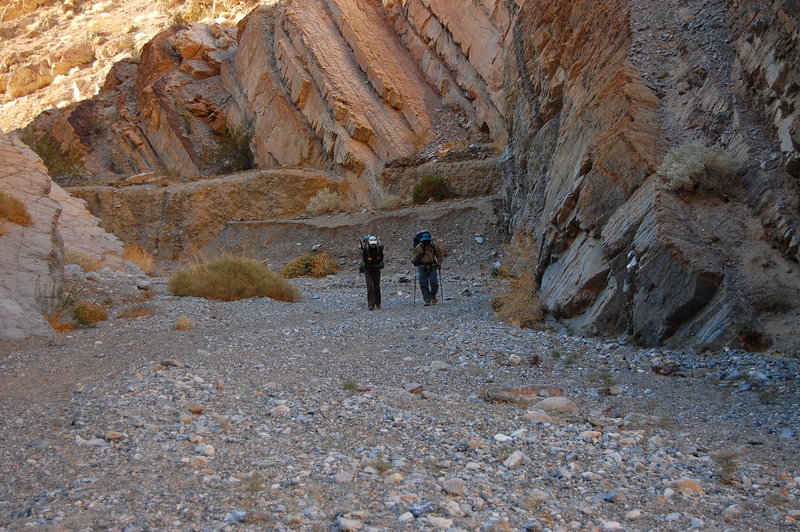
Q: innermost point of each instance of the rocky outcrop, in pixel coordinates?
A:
(179, 220)
(80, 231)
(31, 257)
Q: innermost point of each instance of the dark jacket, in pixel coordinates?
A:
(427, 253)
(372, 257)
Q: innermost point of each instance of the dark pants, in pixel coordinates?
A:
(373, 278)
(428, 282)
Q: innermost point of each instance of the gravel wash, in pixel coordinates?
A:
(322, 415)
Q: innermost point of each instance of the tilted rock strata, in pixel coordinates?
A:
(30, 257)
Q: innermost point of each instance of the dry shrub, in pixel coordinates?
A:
(139, 310)
(140, 257)
(87, 314)
(310, 265)
(517, 300)
(230, 279)
(182, 323)
(55, 305)
(691, 166)
(84, 260)
(391, 201)
(324, 202)
(13, 210)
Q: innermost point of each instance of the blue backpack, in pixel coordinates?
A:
(418, 237)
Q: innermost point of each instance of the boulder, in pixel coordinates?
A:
(31, 258)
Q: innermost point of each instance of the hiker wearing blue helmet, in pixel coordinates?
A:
(427, 257)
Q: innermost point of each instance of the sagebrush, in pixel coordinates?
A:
(692, 166)
(324, 202)
(87, 314)
(517, 300)
(311, 265)
(230, 279)
(429, 187)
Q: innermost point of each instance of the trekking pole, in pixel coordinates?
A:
(441, 284)
(415, 287)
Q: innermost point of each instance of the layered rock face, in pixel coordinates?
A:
(597, 97)
(31, 256)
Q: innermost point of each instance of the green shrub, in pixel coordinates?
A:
(58, 163)
(324, 202)
(691, 166)
(13, 210)
(310, 265)
(232, 278)
(232, 153)
(429, 187)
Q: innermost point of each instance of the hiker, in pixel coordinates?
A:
(371, 266)
(427, 257)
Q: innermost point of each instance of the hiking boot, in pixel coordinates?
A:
(426, 304)
(434, 301)
(377, 307)
(372, 307)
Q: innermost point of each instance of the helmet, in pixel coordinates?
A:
(372, 240)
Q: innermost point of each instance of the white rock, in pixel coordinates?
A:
(408, 516)
(349, 524)
(515, 460)
(439, 522)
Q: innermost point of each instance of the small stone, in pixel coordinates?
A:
(144, 285)
(195, 408)
(394, 478)
(114, 436)
(633, 514)
(342, 477)
(615, 390)
(413, 387)
(537, 416)
(454, 486)
(612, 525)
(731, 512)
(96, 442)
(515, 460)
(346, 523)
(280, 410)
(673, 516)
(514, 360)
(407, 516)
(423, 507)
(439, 522)
(205, 450)
(557, 404)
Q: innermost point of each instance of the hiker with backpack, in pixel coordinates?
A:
(371, 266)
(427, 257)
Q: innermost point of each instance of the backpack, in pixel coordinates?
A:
(363, 243)
(419, 236)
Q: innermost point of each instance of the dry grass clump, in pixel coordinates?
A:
(690, 166)
(230, 279)
(84, 260)
(517, 301)
(87, 314)
(324, 202)
(55, 305)
(13, 210)
(391, 201)
(139, 310)
(140, 257)
(182, 323)
(310, 265)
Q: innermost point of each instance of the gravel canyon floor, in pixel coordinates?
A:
(322, 415)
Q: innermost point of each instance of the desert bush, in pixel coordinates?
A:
(310, 265)
(138, 310)
(429, 187)
(13, 210)
(517, 300)
(750, 336)
(140, 257)
(87, 314)
(182, 323)
(391, 201)
(58, 163)
(232, 153)
(691, 166)
(55, 305)
(232, 278)
(84, 260)
(324, 202)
